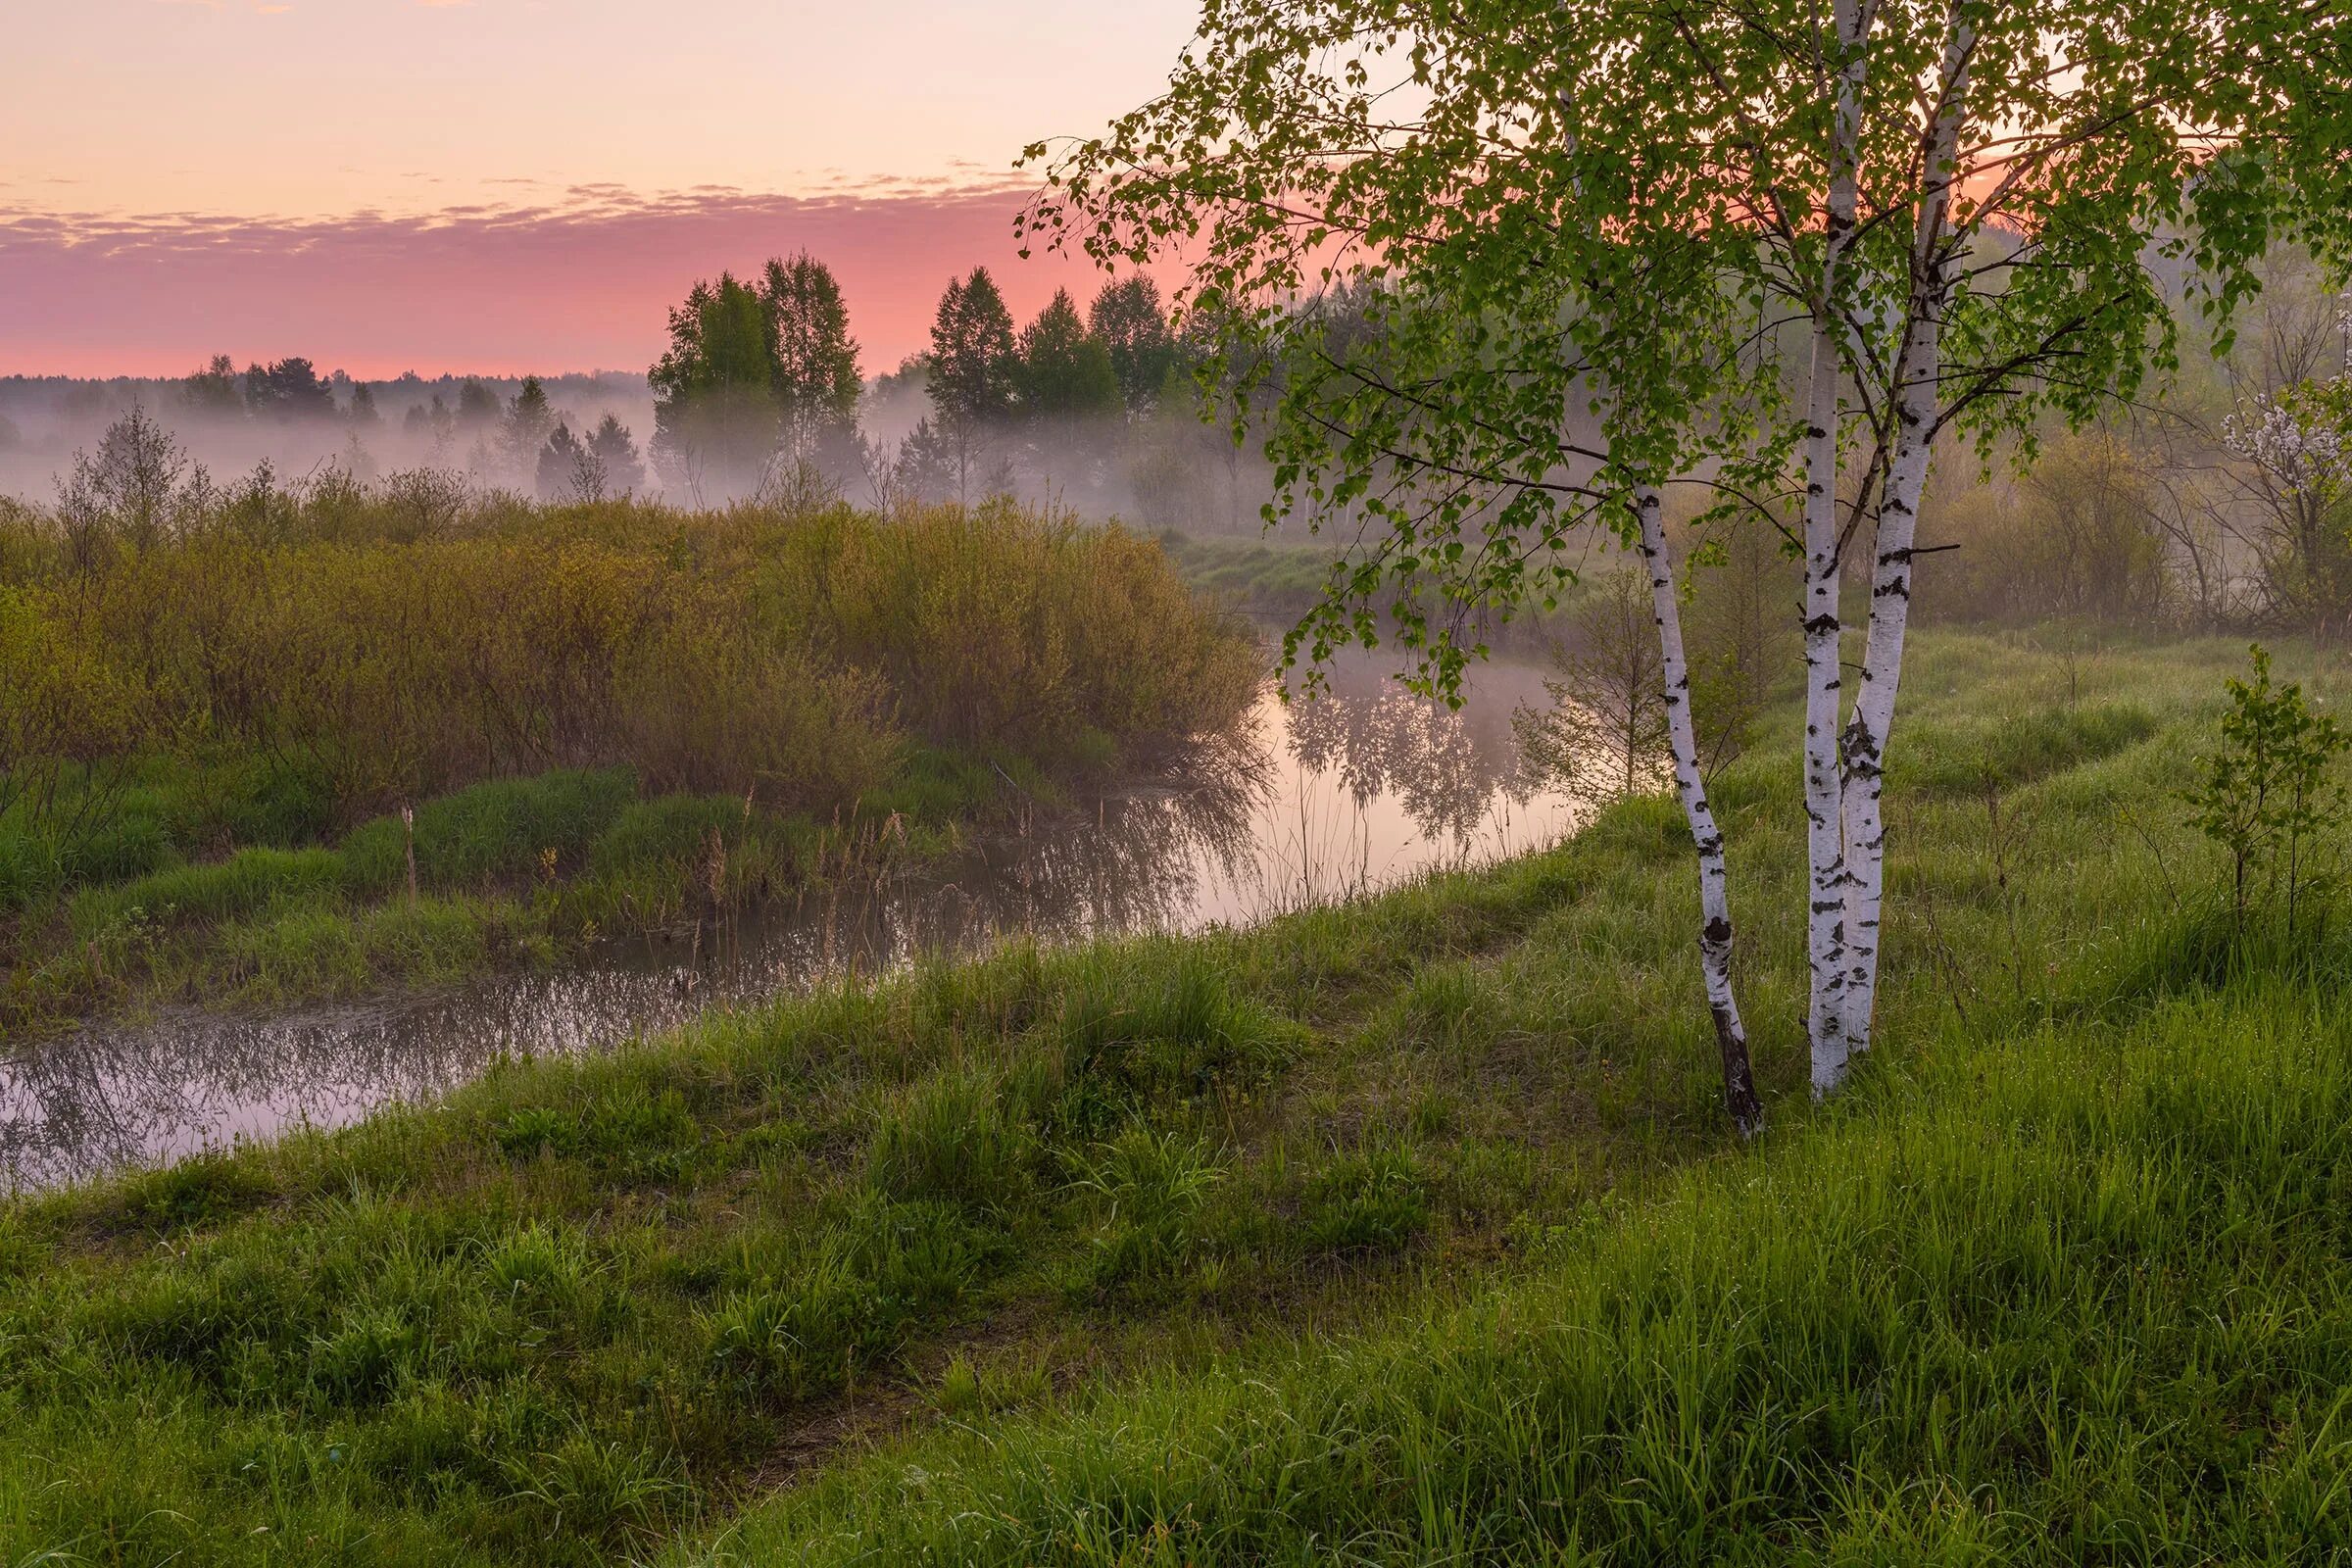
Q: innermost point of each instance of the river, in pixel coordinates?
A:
(1310, 801)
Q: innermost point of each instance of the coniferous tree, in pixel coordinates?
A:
(477, 405)
(528, 421)
(613, 447)
(361, 415)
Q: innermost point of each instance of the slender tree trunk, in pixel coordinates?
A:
(1918, 365)
(1739, 1101)
(1825, 858)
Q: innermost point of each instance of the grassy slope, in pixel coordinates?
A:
(582, 1308)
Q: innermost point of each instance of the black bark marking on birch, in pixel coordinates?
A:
(1740, 1099)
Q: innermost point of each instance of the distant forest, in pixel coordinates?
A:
(760, 394)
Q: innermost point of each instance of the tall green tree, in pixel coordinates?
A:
(1131, 319)
(1618, 247)
(1065, 372)
(717, 419)
(814, 367)
(973, 372)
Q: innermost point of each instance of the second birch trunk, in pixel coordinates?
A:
(1740, 1099)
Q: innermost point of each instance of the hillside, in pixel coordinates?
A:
(1406, 1232)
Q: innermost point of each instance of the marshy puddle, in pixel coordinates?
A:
(1311, 801)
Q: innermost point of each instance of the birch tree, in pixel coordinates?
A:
(1611, 246)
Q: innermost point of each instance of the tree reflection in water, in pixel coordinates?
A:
(1307, 801)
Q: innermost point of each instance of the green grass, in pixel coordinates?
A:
(510, 872)
(1402, 1232)
(2079, 1300)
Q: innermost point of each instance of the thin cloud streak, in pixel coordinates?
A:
(581, 280)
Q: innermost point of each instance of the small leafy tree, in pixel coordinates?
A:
(137, 491)
(2268, 793)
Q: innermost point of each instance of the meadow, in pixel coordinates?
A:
(1403, 1231)
(318, 740)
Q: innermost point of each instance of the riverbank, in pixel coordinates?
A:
(608, 722)
(583, 1308)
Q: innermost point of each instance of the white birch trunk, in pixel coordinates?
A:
(1714, 896)
(1825, 860)
(1918, 365)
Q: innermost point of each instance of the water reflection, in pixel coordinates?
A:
(1309, 802)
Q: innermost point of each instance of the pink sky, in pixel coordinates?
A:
(502, 186)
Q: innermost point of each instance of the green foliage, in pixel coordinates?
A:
(2267, 793)
(1131, 323)
(954, 1139)
(1401, 304)
(1065, 372)
(193, 724)
(1830, 1352)
(973, 370)
(717, 421)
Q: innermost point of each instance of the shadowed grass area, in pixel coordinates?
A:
(1361, 1232)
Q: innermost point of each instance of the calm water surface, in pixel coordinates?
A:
(1311, 801)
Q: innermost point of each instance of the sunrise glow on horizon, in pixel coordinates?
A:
(501, 185)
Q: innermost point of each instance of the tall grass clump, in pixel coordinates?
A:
(365, 653)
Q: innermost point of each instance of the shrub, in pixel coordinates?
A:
(2268, 794)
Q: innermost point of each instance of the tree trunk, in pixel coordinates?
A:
(1918, 365)
(1825, 858)
(1739, 1101)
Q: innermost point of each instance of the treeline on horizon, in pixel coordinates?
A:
(2222, 500)
(760, 394)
